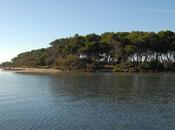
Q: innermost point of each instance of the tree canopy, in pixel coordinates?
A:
(138, 50)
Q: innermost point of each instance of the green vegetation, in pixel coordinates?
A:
(121, 51)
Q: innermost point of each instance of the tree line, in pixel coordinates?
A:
(120, 51)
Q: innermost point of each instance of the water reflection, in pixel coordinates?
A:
(83, 101)
(119, 101)
(87, 85)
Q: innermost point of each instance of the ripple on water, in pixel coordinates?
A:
(81, 101)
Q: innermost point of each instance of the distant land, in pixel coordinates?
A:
(135, 51)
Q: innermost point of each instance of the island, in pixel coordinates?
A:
(135, 51)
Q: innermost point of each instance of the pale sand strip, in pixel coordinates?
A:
(32, 70)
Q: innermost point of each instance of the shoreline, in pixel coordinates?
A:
(55, 71)
(30, 70)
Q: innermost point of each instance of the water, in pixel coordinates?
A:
(87, 101)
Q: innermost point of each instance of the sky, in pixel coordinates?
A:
(32, 24)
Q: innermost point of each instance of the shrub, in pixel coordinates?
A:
(70, 62)
(125, 67)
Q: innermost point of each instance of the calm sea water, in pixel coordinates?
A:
(87, 101)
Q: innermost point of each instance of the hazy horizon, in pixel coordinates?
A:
(27, 25)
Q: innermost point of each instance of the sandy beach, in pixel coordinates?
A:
(31, 70)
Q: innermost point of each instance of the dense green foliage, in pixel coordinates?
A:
(6, 64)
(122, 51)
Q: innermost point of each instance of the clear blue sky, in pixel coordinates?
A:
(32, 24)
